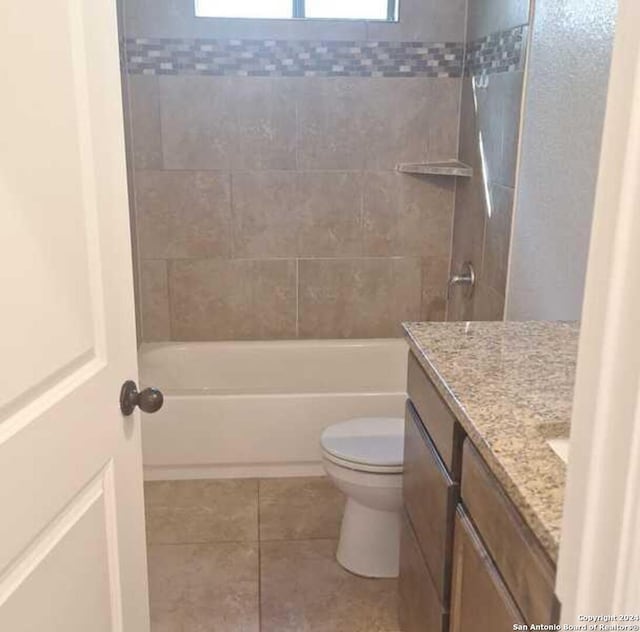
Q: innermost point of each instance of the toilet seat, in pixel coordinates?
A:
(367, 444)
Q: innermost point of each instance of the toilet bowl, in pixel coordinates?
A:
(363, 457)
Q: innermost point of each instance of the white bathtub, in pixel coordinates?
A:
(245, 409)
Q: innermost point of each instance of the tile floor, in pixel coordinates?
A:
(256, 555)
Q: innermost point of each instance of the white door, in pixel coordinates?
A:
(72, 547)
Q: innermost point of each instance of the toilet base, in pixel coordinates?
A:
(369, 541)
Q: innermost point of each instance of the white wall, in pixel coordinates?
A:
(564, 108)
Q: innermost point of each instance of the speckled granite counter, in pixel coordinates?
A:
(511, 387)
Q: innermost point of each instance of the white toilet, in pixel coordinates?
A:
(363, 457)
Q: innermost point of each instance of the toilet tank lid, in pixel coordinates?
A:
(367, 440)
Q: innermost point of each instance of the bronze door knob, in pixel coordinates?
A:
(150, 400)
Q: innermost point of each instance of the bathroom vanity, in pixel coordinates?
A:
(483, 488)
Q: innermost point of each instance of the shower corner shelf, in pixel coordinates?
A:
(441, 168)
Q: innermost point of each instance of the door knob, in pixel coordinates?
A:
(150, 400)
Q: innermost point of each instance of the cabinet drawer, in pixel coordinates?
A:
(480, 600)
(443, 428)
(430, 497)
(420, 609)
(517, 553)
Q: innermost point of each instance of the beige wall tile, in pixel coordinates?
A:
(296, 147)
(204, 587)
(332, 133)
(300, 508)
(470, 207)
(491, 16)
(469, 147)
(351, 123)
(510, 86)
(146, 139)
(198, 122)
(330, 210)
(435, 276)
(197, 511)
(304, 588)
(495, 262)
(154, 300)
(468, 222)
(289, 214)
(126, 89)
(407, 215)
(228, 122)
(409, 120)
(498, 124)
(425, 21)
(443, 104)
(264, 109)
(487, 303)
(158, 18)
(459, 306)
(232, 300)
(352, 298)
(482, 228)
(265, 220)
(490, 127)
(468, 241)
(183, 214)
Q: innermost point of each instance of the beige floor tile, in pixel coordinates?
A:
(303, 589)
(299, 508)
(204, 587)
(201, 511)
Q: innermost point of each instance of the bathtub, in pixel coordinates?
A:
(257, 409)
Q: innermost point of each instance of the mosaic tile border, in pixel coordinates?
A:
(277, 58)
(503, 51)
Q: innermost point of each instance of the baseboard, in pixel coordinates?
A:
(249, 470)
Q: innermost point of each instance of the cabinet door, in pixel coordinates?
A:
(420, 609)
(443, 428)
(480, 600)
(515, 550)
(430, 498)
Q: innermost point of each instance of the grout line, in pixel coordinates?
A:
(259, 563)
(312, 538)
(363, 185)
(291, 258)
(297, 298)
(232, 218)
(168, 267)
(201, 542)
(293, 171)
(447, 302)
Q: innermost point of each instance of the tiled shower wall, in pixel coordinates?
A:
(267, 203)
(489, 138)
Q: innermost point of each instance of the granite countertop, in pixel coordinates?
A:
(510, 384)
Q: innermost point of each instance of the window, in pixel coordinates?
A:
(332, 9)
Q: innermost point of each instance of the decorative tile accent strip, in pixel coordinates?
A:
(275, 58)
(499, 52)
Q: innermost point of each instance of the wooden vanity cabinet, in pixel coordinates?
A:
(468, 561)
(480, 599)
(431, 492)
(515, 550)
